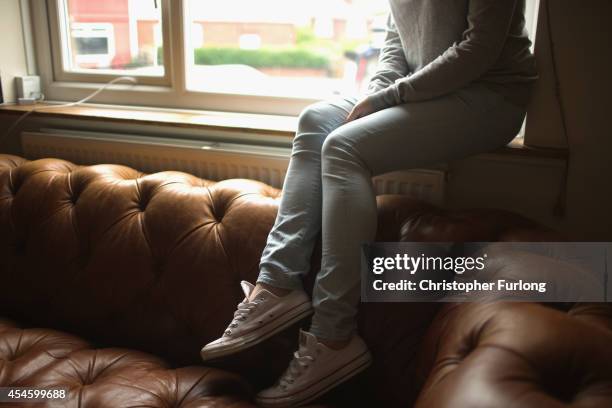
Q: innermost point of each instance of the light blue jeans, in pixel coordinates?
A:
(328, 186)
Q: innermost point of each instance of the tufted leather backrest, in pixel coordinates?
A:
(394, 331)
(146, 261)
(518, 354)
(153, 262)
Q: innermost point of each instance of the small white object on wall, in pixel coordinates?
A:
(28, 87)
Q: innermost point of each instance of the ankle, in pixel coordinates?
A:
(273, 289)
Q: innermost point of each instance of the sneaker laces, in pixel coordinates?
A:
(297, 366)
(243, 310)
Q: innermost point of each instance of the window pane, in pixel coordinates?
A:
(116, 35)
(298, 48)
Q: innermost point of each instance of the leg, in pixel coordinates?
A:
(278, 300)
(290, 243)
(470, 121)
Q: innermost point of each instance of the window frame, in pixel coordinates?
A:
(59, 30)
(170, 91)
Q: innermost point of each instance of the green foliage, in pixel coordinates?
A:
(305, 35)
(296, 57)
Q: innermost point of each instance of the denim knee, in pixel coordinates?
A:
(323, 116)
(314, 118)
(337, 150)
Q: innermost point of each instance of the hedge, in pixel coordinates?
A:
(261, 58)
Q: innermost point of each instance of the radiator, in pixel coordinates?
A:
(211, 160)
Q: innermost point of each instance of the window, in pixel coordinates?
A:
(260, 56)
(99, 39)
(311, 49)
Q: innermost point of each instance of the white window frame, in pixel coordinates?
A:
(169, 91)
(60, 35)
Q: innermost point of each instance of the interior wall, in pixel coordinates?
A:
(12, 52)
(529, 186)
(581, 49)
(12, 62)
(587, 89)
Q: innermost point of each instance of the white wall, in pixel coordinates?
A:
(12, 53)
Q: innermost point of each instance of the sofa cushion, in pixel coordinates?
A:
(153, 262)
(518, 354)
(395, 331)
(110, 377)
(157, 258)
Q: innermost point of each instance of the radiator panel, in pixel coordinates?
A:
(209, 160)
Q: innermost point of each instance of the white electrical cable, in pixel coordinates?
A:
(66, 105)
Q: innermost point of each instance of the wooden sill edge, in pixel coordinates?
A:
(282, 126)
(249, 123)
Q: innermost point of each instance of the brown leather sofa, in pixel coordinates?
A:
(111, 281)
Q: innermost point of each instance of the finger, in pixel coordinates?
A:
(355, 114)
(351, 116)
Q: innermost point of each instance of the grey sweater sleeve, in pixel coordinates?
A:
(392, 64)
(488, 27)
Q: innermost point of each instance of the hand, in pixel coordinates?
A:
(363, 108)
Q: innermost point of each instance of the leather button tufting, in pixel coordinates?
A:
(166, 283)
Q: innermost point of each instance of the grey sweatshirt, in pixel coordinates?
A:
(435, 47)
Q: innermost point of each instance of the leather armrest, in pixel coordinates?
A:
(518, 355)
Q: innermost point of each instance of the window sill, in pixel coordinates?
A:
(276, 125)
(269, 125)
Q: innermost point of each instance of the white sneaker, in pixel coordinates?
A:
(314, 370)
(256, 320)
